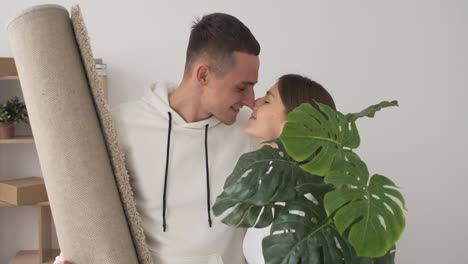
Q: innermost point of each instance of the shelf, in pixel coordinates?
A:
(17, 139)
(34, 256)
(100, 66)
(4, 204)
(9, 78)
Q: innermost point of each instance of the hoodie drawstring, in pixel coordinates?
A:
(167, 167)
(166, 173)
(207, 176)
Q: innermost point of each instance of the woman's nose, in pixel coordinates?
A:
(257, 103)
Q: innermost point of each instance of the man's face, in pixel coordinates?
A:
(224, 95)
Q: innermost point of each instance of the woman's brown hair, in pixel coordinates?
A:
(295, 90)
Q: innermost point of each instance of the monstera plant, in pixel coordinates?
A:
(316, 193)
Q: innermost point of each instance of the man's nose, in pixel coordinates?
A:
(249, 99)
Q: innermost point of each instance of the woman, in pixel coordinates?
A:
(267, 122)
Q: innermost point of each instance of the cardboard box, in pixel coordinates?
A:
(23, 191)
(8, 67)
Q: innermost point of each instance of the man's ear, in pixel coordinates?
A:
(202, 74)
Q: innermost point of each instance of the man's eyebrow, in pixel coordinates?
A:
(248, 83)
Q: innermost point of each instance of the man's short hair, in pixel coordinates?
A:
(216, 36)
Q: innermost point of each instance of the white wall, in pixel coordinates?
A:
(362, 51)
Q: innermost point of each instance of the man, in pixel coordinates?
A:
(182, 141)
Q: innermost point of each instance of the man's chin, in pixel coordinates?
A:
(228, 120)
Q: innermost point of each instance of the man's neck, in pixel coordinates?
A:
(186, 101)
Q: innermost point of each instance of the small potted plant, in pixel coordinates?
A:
(11, 112)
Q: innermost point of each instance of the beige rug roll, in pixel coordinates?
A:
(90, 220)
(115, 151)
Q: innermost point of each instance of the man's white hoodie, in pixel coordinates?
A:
(144, 128)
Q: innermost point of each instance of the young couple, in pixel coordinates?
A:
(182, 141)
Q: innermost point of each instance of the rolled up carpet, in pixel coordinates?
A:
(83, 167)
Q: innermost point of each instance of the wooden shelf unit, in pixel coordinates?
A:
(33, 257)
(46, 254)
(9, 78)
(5, 204)
(17, 139)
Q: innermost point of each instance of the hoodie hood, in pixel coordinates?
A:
(157, 96)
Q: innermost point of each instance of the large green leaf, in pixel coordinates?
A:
(306, 233)
(309, 131)
(325, 132)
(369, 207)
(259, 180)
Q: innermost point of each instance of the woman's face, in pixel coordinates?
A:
(268, 117)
